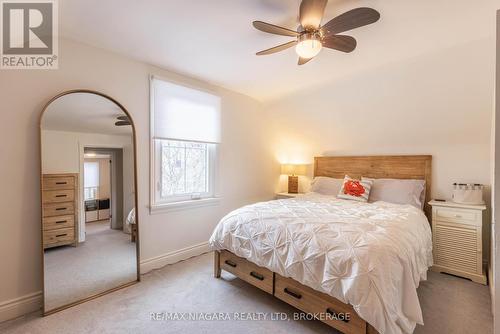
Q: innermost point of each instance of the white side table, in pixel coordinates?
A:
(457, 239)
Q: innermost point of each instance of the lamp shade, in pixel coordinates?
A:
(293, 169)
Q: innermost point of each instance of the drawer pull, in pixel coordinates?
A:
(61, 235)
(61, 195)
(257, 276)
(292, 293)
(60, 209)
(61, 221)
(334, 314)
(61, 182)
(230, 263)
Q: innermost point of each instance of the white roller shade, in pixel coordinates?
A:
(182, 113)
(91, 174)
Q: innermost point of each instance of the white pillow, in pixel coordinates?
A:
(398, 191)
(326, 185)
(356, 190)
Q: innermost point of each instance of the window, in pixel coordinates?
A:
(90, 193)
(185, 134)
(185, 171)
(90, 180)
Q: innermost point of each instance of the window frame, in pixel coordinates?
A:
(211, 154)
(182, 201)
(93, 198)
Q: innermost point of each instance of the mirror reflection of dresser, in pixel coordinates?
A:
(60, 217)
(88, 183)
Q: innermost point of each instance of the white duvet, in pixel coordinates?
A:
(369, 255)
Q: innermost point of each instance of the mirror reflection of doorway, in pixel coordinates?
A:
(106, 205)
(97, 189)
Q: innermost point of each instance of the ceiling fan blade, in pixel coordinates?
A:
(340, 42)
(311, 13)
(276, 48)
(273, 29)
(302, 61)
(350, 20)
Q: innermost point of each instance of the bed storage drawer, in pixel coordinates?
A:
(247, 271)
(329, 310)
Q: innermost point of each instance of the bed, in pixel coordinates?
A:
(356, 266)
(131, 226)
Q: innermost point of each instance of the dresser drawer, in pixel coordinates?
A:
(58, 209)
(56, 222)
(58, 183)
(332, 311)
(58, 196)
(58, 237)
(457, 215)
(247, 271)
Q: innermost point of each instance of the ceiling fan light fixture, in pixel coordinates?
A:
(308, 45)
(312, 36)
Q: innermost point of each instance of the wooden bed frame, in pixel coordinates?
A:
(301, 296)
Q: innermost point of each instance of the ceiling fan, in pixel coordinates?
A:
(122, 121)
(311, 36)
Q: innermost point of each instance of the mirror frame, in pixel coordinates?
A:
(137, 242)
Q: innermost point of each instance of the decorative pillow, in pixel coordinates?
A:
(356, 190)
(326, 185)
(398, 191)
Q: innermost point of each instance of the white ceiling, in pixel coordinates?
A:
(214, 40)
(84, 112)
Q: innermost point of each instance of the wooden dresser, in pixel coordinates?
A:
(59, 209)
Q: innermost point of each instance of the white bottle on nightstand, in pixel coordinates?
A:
(457, 239)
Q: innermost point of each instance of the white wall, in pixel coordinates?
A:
(439, 104)
(61, 149)
(246, 167)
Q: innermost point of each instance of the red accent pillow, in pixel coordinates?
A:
(357, 190)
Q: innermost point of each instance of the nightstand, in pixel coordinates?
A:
(287, 195)
(457, 239)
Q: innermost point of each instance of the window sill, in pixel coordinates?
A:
(184, 205)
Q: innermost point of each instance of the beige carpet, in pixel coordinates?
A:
(451, 306)
(105, 260)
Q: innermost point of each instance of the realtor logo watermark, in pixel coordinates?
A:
(29, 34)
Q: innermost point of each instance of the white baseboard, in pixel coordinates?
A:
(173, 257)
(17, 307)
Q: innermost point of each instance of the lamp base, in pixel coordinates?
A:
(293, 184)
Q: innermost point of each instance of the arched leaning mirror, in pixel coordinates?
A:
(90, 241)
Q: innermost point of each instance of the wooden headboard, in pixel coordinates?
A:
(381, 166)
